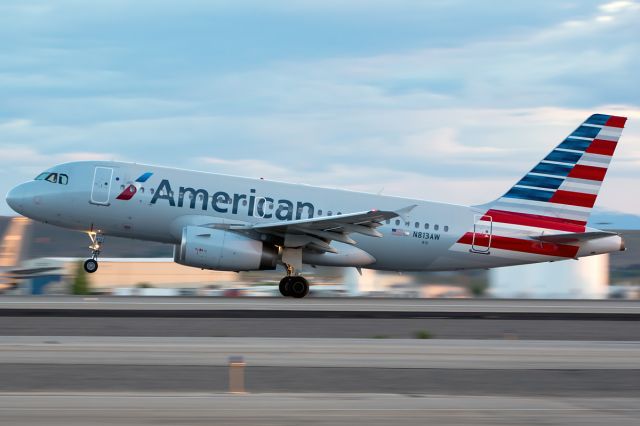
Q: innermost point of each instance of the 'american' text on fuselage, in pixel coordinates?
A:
(222, 202)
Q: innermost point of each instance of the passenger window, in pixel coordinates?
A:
(320, 212)
(446, 228)
(339, 213)
(64, 179)
(388, 221)
(151, 191)
(122, 187)
(142, 189)
(436, 227)
(426, 226)
(53, 177)
(329, 213)
(417, 225)
(397, 222)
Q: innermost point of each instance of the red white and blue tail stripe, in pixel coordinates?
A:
(557, 195)
(560, 191)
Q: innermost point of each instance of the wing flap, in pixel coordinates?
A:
(329, 222)
(317, 233)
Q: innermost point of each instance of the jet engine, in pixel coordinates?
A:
(223, 250)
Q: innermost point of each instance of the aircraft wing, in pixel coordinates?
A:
(576, 237)
(318, 232)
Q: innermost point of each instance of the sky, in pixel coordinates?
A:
(448, 100)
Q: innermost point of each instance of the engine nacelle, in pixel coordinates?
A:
(223, 250)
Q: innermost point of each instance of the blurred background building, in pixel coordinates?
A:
(585, 278)
(41, 259)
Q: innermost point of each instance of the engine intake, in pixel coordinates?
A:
(223, 250)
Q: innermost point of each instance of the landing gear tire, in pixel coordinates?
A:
(285, 286)
(90, 265)
(299, 287)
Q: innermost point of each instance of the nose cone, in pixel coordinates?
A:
(15, 198)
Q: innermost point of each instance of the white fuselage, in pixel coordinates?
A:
(170, 199)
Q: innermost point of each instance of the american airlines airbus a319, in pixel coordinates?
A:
(240, 224)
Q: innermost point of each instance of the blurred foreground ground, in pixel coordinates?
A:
(131, 361)
(315, 409)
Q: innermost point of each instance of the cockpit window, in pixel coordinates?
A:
(62, 179)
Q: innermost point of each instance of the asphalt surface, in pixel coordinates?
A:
(491, 362)
(308, 306)
(473, 367)
(311, 353)
(441, 328)
(194, 378)
(316, 409)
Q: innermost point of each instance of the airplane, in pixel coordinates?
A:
(231, 223)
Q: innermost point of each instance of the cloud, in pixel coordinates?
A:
(604, 18)
(444, 100)
(617, 6)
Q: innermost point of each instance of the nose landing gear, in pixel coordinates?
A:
(91, 265)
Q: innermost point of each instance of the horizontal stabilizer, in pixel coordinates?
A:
(576, 237)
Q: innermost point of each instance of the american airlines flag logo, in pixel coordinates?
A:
(131, 190)
(400, 232)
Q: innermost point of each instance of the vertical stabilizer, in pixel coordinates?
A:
(560, 191)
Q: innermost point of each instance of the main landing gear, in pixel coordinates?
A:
(293, 285)
(91, 265)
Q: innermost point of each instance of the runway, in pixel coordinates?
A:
(354, 328)
(323, 307)
(343, 353)
(117, 361)
(478, 367)
(321, 318)
(68, 409)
